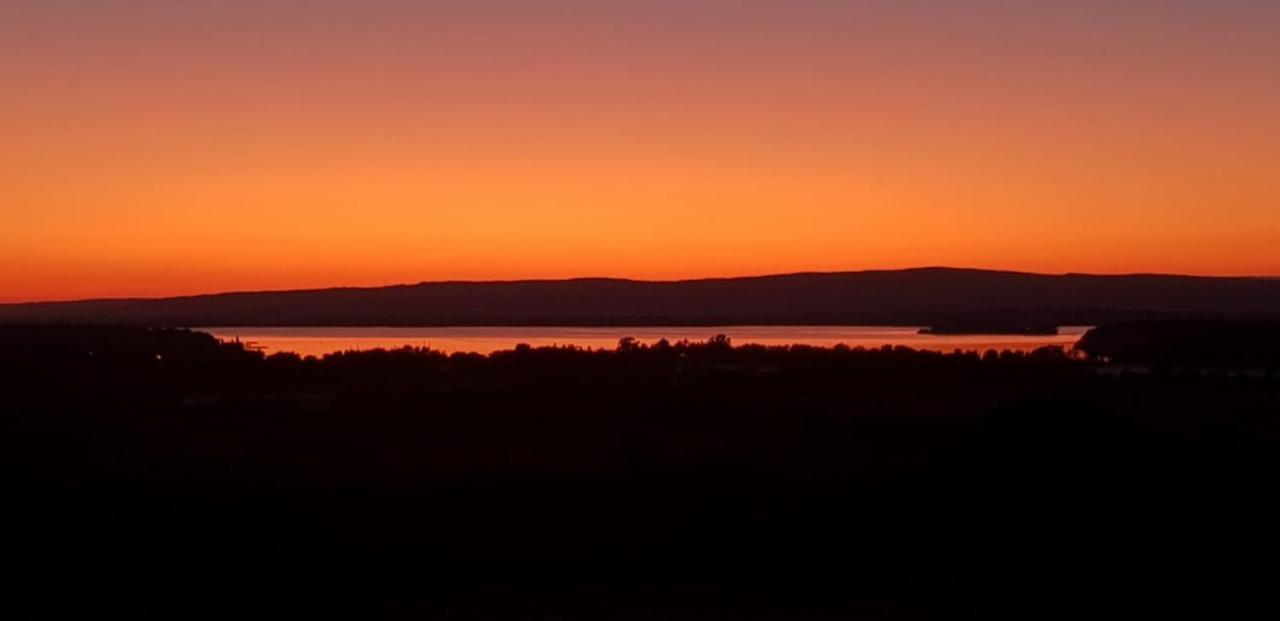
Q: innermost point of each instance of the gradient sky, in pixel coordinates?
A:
(168, 147)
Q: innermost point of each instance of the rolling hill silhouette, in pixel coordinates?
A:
(924, 296)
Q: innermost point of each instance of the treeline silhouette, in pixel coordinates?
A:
(159, 469)
(1182, 342)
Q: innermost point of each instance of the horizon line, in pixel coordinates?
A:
(938, 268)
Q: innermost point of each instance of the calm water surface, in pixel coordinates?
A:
(320, 341)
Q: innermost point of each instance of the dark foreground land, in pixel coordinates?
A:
(160, 474)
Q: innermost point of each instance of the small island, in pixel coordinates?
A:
(991, 328)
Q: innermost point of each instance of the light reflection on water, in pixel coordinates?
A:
(319, 341)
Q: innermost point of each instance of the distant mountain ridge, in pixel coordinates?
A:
(921, 296)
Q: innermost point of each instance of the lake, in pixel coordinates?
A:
(320, 341)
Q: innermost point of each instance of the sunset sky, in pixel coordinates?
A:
(170, 147)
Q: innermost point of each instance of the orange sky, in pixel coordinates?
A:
(156, 148)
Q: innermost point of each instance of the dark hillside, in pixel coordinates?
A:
(147, 470)
(906, 297)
